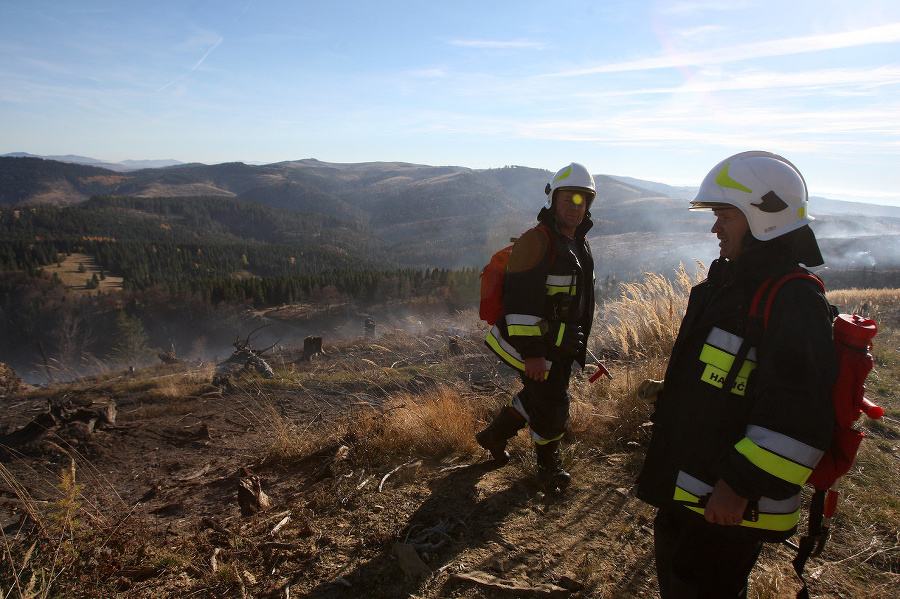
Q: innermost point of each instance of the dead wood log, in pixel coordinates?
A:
(517, 589)
(251, 497)
(169, 358)
(243, 359)
(92, 412)
(312, 346)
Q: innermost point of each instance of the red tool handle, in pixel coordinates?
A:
(601, 370)
(871, 410)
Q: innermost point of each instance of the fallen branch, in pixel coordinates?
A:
(280, 525)
(381, 485)
(519, 589)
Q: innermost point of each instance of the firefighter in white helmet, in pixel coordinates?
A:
(745, 411)
(548, 305)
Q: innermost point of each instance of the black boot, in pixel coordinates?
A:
(550, 470)
(498, 432)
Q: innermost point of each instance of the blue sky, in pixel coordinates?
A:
(653, 90)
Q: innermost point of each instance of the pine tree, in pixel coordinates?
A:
(130, 345)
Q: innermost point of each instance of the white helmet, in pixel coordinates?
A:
(574, 177)
(767, 188)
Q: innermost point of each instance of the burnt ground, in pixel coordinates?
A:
(169, 477)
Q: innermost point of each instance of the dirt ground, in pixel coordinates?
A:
(337, 529)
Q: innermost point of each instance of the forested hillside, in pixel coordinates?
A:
(195, 245)
(188, 266)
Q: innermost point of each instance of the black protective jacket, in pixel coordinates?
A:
(764, 436)
(547, 288)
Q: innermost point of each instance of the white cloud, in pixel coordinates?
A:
(688, 8)
(859, 81)
(496, 44)
(814, 43)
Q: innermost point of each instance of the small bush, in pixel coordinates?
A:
(434, 423)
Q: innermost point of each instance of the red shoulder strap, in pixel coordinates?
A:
(770, 287)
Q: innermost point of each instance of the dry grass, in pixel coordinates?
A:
(644, 321)
(73, 538)
(607, 416)
(75, 270)
(865, 301)
(288, 441)
(435, 423)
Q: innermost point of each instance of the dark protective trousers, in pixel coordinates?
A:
(547, 402)
(694, 560)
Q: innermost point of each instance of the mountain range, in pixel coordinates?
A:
(451, 216)
(123, 165)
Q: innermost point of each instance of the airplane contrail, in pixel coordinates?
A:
(193, 68)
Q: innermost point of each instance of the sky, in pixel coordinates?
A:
(660, 91)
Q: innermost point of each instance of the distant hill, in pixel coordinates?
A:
(676, 192)
(124, 165)
(451, 216)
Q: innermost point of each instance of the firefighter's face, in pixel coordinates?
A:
(730, 228)
(571, 206)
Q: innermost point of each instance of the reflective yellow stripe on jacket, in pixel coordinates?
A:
(528, 325)
(718, 354)
(507, 352)
(778, 454)
(523, 325)
(561, 284)
(776, 515)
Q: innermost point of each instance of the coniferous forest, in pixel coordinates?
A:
(188, 259)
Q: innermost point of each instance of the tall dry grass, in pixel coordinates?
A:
(644, 321)
(636, 333)
(435, 423)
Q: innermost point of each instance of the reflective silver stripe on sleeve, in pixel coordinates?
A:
(560, 280)
(785, 446)
(698, 488)
(522, 319)
(692, 485)
(728, 342)
(782, 506)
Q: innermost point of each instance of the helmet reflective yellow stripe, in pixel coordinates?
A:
(723, 180)
(562, 174)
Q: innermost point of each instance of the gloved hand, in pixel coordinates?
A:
(572, 343)
(648, 389)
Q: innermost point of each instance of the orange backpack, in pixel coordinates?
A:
(491, 307)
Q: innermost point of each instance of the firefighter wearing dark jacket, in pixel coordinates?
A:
(732, 447)
(548, 305)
